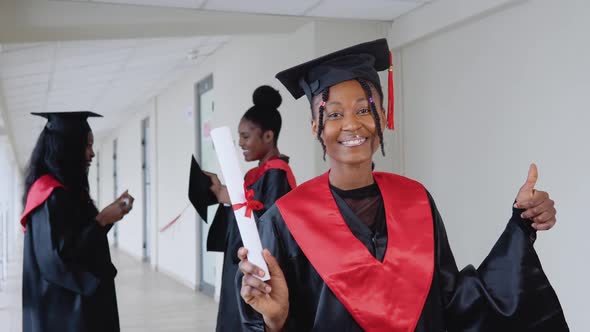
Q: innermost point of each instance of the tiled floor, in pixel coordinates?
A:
(10, 298)
(148, 301)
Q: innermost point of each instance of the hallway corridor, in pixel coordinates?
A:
(148, 301)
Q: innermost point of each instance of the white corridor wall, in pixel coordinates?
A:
(10, 207)
(482, 100)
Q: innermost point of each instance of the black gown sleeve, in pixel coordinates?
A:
(62, 243)
(508, 292)
(224, 234)
(274, 186)
(217, 235)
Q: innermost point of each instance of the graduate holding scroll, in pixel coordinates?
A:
(357, 250)
(258, 131)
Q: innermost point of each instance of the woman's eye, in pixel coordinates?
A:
(364, 111)
(334, 115)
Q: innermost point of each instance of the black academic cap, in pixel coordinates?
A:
(67, 122)
(199, 193)
(360, 61)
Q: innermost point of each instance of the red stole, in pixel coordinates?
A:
(38, 194)
(256, 173)
(380, 296)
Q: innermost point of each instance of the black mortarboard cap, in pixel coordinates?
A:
(199, 192)
(360, 61)
(68, 122)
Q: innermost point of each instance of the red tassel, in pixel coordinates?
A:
(390, 96)
(173, 221)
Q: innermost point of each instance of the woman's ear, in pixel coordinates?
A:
(314, 128)
(268, 136)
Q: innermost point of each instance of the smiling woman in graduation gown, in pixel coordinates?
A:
(259, 131)
(356, 250)
(68, 276)
(506, 293)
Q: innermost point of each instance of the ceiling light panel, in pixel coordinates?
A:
(23, 81)
(386, 10)
(82, 81)
(276, 7)
(7, 48)
(93, 47)
(40, 53)
(75, 74)
(41, 67)
(192, 4)
(107, 57)
(25, 92)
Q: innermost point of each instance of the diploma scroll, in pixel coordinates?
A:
(234, 181)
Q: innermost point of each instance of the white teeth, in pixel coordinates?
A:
(354, 141)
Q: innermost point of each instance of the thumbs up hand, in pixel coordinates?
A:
(539, 208)
(527, 190)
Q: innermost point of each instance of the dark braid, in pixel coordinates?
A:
(369, 94)
(325, 96)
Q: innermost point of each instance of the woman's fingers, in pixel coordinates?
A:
(248, 268)
(255, 283)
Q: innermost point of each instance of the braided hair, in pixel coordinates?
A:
(365, 85)
(368, 92)
(325, 97)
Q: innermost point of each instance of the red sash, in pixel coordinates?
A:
(380, 296)
(38, 194)
(256, 173)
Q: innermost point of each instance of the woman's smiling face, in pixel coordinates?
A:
(254, 143)
(350, 132)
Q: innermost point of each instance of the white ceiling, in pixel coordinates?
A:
(386, 10)
(120, 74)
(102, 76)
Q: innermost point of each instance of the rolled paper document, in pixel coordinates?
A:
(234, 181)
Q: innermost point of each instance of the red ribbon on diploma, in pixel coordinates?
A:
(251, 204)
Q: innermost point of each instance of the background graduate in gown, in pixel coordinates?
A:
(355, 250)
(259, 131)
(68, 276)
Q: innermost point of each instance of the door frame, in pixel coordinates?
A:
(204, 85)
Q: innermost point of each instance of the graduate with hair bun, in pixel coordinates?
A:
(258, 131)
(357, 250)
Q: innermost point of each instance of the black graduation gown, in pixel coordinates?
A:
(68, 277)
(224, 236)
(508, 292)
